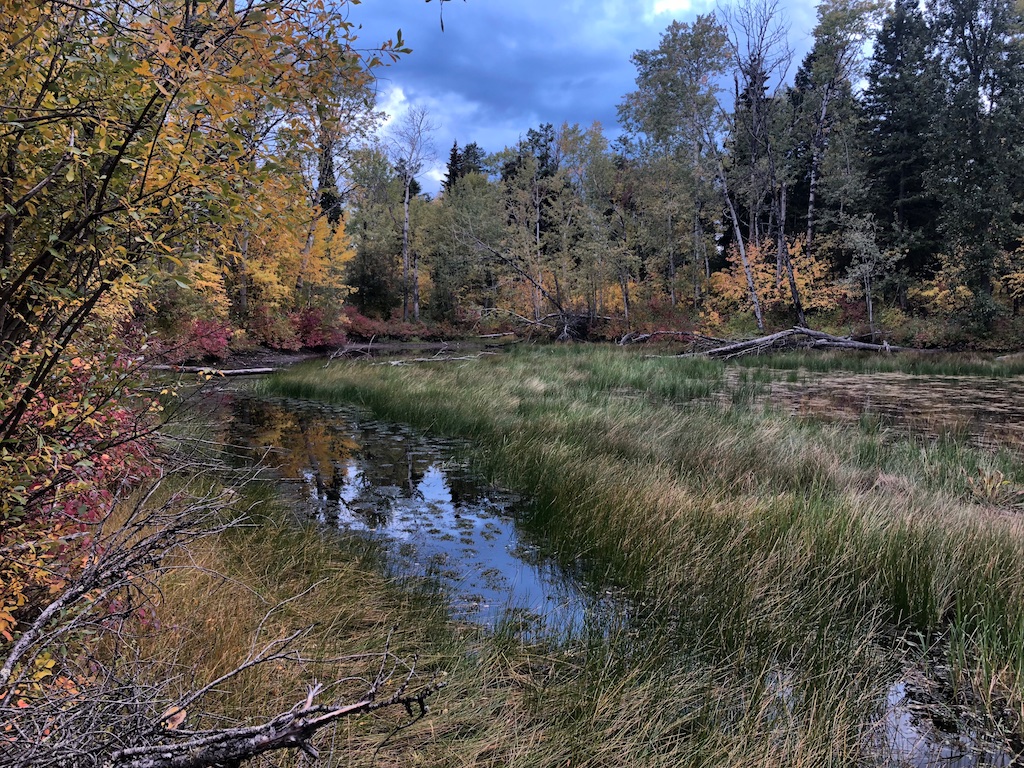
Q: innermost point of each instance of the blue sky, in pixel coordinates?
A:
(500, 67)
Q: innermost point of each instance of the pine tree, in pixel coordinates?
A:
(900, 109)
(456, 169)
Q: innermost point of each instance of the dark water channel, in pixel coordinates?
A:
(418, 498)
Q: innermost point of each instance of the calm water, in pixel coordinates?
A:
(418, 497)
(913, 739)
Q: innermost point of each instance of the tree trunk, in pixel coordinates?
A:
(405, 251)
(416, 286)
(783, 258)
(239, 264)
(869, 304)
(817, 145)
(671, 264)
(738, 233)
(624, 285)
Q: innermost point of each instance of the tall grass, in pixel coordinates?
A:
(771, 560)
(918, 364)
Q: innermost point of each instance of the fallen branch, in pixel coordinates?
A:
(290, 730)
(435, 359)
(640, 338)
(212, 371)
(812, 339)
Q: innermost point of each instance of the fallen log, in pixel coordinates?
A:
(212, 371)
(640, 338)
(435, 359)
(812, 339)
(751, 345)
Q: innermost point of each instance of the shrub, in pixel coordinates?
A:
(314, 328)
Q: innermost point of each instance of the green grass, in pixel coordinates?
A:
(759, 549)
(918, 364)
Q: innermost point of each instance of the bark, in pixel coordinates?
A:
(671, 263)
(405, 250)
(212, 371)
(784, 260)
(817, 147)
(416, 286)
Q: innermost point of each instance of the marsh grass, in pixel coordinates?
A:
(237, 590)
(918, 364)
(759, 548)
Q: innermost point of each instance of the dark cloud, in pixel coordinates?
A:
(500, 68)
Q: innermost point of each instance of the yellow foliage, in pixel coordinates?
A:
(941, 295)
(117, 306)
(207, 279)
(729, 291)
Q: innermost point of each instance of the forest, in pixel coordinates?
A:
(873, 188)
(878, 190)
(187, 180)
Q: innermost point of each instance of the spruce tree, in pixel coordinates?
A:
(901, 107)
(456, 169)
(472, 159)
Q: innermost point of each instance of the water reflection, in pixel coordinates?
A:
(436, 518)
(913, 740)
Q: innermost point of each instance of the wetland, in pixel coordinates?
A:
(783, 568)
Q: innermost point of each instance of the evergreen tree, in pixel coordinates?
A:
(900, 107)
(977, 167)
(456, 169)
(472, 159)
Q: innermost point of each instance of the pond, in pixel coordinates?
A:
(419, 499)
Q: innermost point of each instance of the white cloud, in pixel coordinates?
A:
(393, 104)
(672, 6)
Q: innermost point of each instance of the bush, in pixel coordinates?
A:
(314, 329)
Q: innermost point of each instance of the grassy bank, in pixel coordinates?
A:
(776, 561)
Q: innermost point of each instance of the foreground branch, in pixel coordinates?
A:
(291, 730)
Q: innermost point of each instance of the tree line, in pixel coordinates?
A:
(879, 186)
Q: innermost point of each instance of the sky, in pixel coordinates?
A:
(501, 67)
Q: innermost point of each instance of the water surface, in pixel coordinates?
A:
(419, 498)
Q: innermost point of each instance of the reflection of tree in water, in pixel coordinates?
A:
(465, 491)
(368, 470)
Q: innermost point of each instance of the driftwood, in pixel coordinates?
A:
(695, 339)
(435, 359)
(808, 339)
(212, 371)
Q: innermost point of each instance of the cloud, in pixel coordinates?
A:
(499, 69)
(671, 6)
(393, 104)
